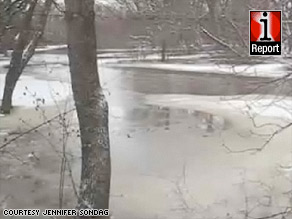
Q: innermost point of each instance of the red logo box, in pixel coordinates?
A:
(265, 32)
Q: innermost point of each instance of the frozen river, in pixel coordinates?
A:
(172, 134)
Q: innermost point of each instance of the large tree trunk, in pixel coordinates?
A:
(91, 105)
(15, 67)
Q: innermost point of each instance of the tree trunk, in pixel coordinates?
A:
(2, 23)
(2, 26)
(39, 32)
(214, 12)
(91, 105)
(163, 51)
(15, 67)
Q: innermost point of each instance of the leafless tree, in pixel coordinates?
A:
(14, 71)
(24, 49)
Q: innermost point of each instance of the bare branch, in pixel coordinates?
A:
(258, 149)
(34, 128)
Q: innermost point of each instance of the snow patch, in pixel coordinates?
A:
(51, 47)
(31, 92)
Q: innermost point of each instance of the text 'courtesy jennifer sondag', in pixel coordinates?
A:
(55, 212)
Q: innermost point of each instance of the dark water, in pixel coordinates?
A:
(150, 81)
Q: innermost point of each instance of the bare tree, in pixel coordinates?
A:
(91, 105)
(9, 10)
(14, 71)
(24, 50)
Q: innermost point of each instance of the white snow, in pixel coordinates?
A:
(119, 58)
(4, 63)
(52, 47)
(112, 55)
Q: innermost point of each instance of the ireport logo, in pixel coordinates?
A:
(265, 32)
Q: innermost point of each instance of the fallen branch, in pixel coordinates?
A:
(221, 42)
